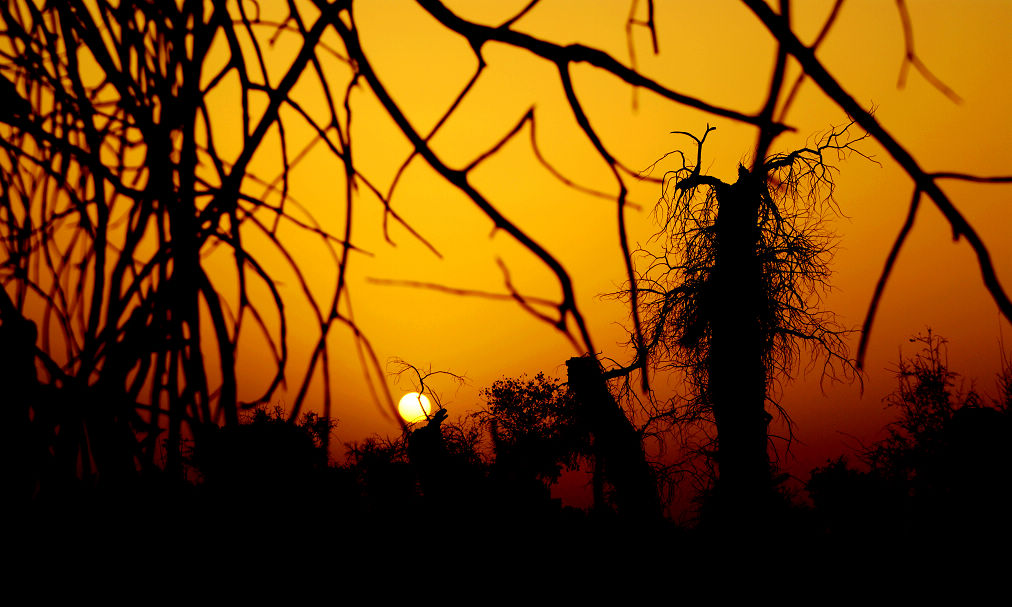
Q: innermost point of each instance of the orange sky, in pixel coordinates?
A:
(716, 51)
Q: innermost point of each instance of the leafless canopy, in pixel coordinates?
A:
(794, 251)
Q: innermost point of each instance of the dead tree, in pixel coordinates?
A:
(733, 297)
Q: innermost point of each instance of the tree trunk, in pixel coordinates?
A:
(618, 447)
(737, 371)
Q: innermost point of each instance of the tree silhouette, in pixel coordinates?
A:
(534, 420)
(117, 191)
(536, 432)
(734, 294)
(265, 462)
(940, 424)
(941, 470)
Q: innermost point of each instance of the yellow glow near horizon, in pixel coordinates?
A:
(414, 407)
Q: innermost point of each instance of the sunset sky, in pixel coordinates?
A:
(716, 51)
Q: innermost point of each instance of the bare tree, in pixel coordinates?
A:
(734, 295)
(114, 193)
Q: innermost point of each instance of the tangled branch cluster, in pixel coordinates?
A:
(117, 188)
(794, 250)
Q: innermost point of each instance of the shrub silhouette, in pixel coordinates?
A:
(942, 470)
(534, 426)
(265, 461)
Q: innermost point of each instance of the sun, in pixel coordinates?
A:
(414, 407)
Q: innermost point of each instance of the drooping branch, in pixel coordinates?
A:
(459, 178)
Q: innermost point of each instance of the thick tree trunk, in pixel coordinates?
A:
(737, 372)
(618, 447)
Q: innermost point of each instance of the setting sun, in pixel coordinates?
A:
(414, 407)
